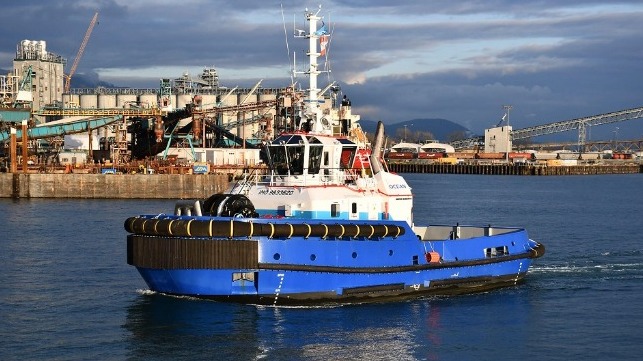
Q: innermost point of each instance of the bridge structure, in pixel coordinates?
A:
(563, 126)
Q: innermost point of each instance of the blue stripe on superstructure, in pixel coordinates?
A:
(326, 215)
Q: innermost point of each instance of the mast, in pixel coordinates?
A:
(311, 112)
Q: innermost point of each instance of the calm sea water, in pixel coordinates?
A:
(66, 292)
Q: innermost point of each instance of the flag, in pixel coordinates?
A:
(323, 42)
(322, 31)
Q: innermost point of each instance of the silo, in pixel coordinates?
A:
(88, 101)
(209, 100)
(125, 100)
(182, 100)
(228, 117)
(269, 113)
(106, 101)
(71, 100)
(246, 121)
(148, 100)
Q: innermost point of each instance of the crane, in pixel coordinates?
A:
(80, 52)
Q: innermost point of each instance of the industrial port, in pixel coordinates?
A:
(193, 125)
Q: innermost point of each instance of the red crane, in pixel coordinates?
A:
(80, 52)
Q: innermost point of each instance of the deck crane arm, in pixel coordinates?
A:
(80, 52)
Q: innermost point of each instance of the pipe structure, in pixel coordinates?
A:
(25, 147)
(13, 156)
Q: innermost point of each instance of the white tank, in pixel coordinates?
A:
(148, 100)
(107, 101)
(249, 98)
(267, 97)
(182, 100)
(71, 100)
(126, 100)
(244, 131)
(228, 117)
(209, 100)
(88, 101)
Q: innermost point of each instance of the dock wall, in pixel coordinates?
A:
(113, 186)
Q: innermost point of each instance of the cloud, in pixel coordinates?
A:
(552, 60)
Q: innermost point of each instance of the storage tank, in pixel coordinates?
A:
(148, 100)
(71, 100)
(209, 100)
(182, 100)
(246, 129)
(88, 101)
(126, 100)
(249, 98)
(228, 117)
(107, 101)
(267, 96)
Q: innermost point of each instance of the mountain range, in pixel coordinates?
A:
(420, 130)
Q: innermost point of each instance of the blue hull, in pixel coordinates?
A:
(298, 287)
(302, 269)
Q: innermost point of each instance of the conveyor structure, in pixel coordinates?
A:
(579, 123)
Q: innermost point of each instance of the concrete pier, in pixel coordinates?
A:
(112, 186)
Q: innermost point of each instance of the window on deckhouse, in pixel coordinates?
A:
(315, 156)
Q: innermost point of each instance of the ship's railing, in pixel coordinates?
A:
(327, 177)
(440, 233)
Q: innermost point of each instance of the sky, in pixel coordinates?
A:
(551, 60)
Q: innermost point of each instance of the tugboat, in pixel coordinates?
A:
(326, 224)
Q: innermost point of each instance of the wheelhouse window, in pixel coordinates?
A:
(296, 157)
(315, 156)
(287, 155)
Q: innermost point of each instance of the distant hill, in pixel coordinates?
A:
(89, 81)
(441, 129)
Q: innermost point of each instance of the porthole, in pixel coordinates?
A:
(276, 256)
(313, 257)
(354, 255)
(390, 252)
